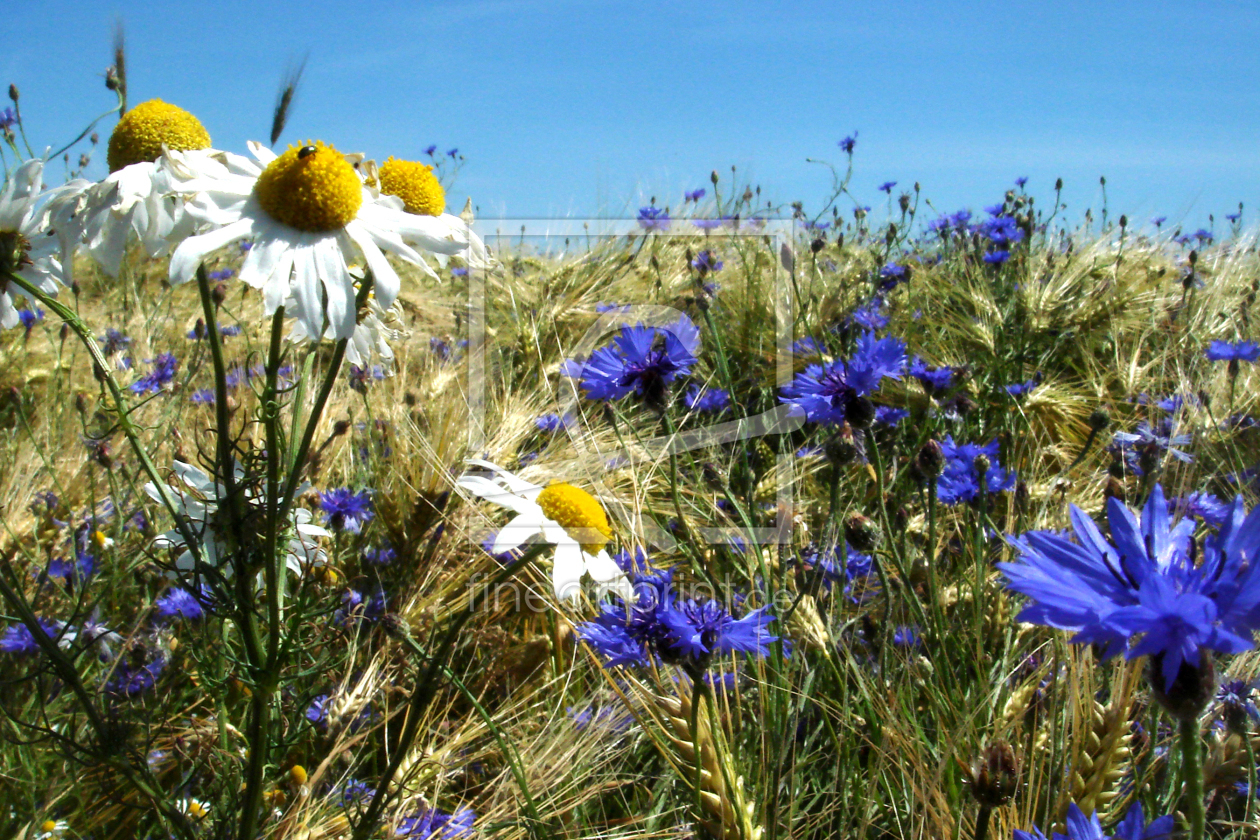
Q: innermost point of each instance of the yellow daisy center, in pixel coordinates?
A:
(139, 135)
(311, 188)
(49, 825)
(298, 774)
(197, 809)
(415, 184)
(578, 513)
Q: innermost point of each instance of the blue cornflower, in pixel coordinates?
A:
(1158, 221)
(179, 603)
(1238, 351)
(1132, 827)
(1236, 702)
(382, 556)
(829, 394)
(354, 791)
(653, 218)
(932, 378)
(706, 262)
(136, 673)
(1019, 182)
(891, 275)
(431, 150)
(847, 144)
(1001, 230)
(695, 631)
(114, 341)
(452, 152)
(887, 186)
(817, 225)
(1204, 236)
(871, 316)
(8, 118)
(30, 318)
(202, 396)
(17, 638)
(886, 415)
(552, 423)
(641, 360)
(611, 307)
(1233, 217)
(1144, 582)
(960, 481)
(346, 510)
(1203, 506)
(425, 823)
(611, 638)
(996, 257)
(361, 377)
(317, 712)
(706, 400)
(164, 369)
(693, 195)
(1019, 389)
(459, 271)
(1148, 442)
(856, 574)
(906, 636)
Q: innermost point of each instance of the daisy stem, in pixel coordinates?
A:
(1192, 772)
(1251, 777)
(125, 424)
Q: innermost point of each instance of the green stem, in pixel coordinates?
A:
(1192, 772)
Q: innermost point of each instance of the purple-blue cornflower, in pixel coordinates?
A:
(890, 276)
(426, 823)
(1158, 221)
(1019, 389)
(8, 118)
(871, 316)
(1142, 592)
(653, 218)
(1020, 181)
(1132, 827)
(706, 400)
(136, 673)
(346, 510)
(829, 394)
(886, 415)
(847, 144)
(887, 186)
(1148, 442)
(997, 257)
(1237, 351)
(30, 318)
(552, 422)
(960, 481)
(1203, 506)
(179, 603)
(641, 360)
(706, 262)
(696, 630)
(693, 195)
(431, 150)
(17, 638)
(932, 379)
(383, 556)
(164, 369)
(452, 152)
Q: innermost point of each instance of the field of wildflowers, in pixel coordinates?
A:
(328, 517)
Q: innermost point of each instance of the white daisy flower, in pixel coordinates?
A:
(372, 334)
(196, 809)
(414, 184)
(51, 829)
(307, 211)
(136, 195)
(200, 508)
(566, 516)
(27, 249)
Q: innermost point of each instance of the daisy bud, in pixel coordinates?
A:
(861, 533)
(1191, 690)
(13, 92)
(994, 775)
(111, 79)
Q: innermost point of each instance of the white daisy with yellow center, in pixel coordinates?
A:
(307, 211)
(136, 195)
(566, 516)
(27, 249)
(51, 829)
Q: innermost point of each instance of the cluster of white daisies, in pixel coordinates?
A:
(309, 213)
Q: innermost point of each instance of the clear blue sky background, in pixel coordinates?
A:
(589, 108)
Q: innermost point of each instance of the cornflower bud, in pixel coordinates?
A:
(931, 459)
(861, 533)
(994, 775)
(1099, 420)
(13, 92)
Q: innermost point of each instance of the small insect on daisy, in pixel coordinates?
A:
(566, 516)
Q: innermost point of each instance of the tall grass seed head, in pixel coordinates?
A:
(143, 132)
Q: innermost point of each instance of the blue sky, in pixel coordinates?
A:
(589, 108)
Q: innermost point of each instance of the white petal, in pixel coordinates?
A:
(517, 532)
(385, 280)
(338, 286)
(566, 571)
(194, 249)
